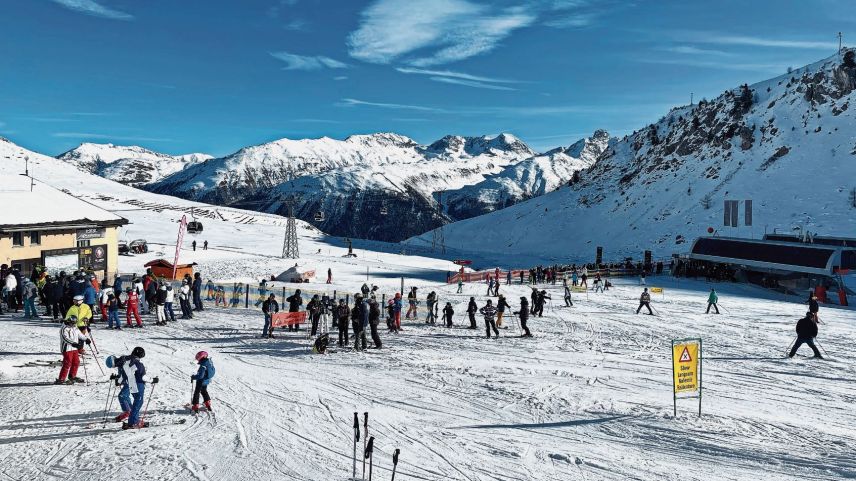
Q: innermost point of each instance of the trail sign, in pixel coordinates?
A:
(686, 370)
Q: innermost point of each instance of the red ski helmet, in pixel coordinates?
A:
(201, 355)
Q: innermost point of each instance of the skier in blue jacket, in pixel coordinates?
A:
(124, 395)
(134, 375)
(202, 378)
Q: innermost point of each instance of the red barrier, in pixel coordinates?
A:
(281, 319)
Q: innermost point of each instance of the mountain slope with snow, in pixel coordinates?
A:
(787, 143)
(526, 179)
(351, 181)
(131, 165)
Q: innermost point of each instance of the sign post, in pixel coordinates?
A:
(686, 370)
(181, 226)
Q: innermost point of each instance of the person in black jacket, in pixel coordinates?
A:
(813, 307)
(472, 309)
(523, 314)
(344, 314)
(196, 288)
(357, 322)
(53, 298)
(374, 320)
(313, 309)
(269, 307)
(448, 313)
(540, 299)
(294, 302)
(806, 332)
(501, 304)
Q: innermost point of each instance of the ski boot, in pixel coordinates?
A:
(139, 425)
(59, 382)
(77, 380)
(121, 417)
(208, 406)
(194, 408)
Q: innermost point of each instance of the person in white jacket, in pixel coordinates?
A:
(71, 342)
(184, 300)
(141, 291)
(105, 296)
(170, 298)
(11, 288)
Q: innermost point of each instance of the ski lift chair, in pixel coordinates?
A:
(319, 216)
(383, 210)
(194, 227)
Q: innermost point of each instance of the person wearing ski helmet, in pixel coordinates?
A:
(124, 395)
(202, 378)
(472, 309)
(134, 374)
(71, 342)
(645, 301)
(294, 302)
(343, 313)
(397, 306)
(80, 311)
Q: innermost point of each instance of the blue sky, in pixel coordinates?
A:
(214, 76)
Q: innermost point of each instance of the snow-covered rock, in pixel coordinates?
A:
(787, 143)
(131, 165)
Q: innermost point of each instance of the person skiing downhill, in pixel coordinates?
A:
(645, 300)
(806, 332)
(523, 315)
(201, 380)
(448, 313)
(71, 342)
(134, 374)
(472, 309)
(489, 313)
(711, 301)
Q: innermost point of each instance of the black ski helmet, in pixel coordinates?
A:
(138, 352)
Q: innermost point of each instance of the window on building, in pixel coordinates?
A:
(17, 239)
(35, 238)
(83, 243)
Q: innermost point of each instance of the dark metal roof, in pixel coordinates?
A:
(818, 240)
(767, 254)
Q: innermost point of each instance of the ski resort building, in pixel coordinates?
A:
(786, 263)
(44, 226)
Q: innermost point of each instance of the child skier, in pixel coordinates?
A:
(124, 395)
(71, 342)
(113, 304)
(202, 378)
(134, 375)
(398, 308)
(472, 309)
(501, 304)
(132, 307)
(448, 313)
(523, 314)
(711, 301)
(645, 300)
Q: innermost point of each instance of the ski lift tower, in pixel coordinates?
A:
(438, 237)
(289, 244)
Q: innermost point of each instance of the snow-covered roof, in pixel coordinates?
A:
(45, 206)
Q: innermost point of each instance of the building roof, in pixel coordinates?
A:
(814, 239)
(45, 207)
(769, 255)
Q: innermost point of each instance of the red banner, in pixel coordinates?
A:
(462, 262)
(281, 319)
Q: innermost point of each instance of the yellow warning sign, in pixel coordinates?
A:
(685, 366)
(578, 288)
(656, 290)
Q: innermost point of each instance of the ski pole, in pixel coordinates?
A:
(822, 349)
(394, 462)
(369, 454)
(92, 338)
(365, 440)
(788, 350)
(97, 363)
(356, 439)
(109, 397)
(85, 374)
(149, 401)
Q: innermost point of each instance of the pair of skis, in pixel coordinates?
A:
(368, 448)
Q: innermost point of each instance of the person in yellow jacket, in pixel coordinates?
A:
(81, 311)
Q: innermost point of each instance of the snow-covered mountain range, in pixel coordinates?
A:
(529, 178)
(788, 144)
(131, 165)
(378, 186)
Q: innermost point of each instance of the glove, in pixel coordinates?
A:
(88, 342)
(155, 380)
(79, 346)
(192, 378)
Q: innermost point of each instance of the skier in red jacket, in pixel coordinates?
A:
(133, 306)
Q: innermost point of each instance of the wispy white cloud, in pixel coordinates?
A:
(750, 41)
(348, 102)
(90, 135)
(470, 83)
(340, 77)
(691, 50)
(432, 32)
(460, 78)
(718, 64)
(49, 119)
(305, 62)
(93, 8)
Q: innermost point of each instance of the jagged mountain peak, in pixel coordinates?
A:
(383, 139)
(487, 144)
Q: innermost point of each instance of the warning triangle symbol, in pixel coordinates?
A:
(685, 356)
